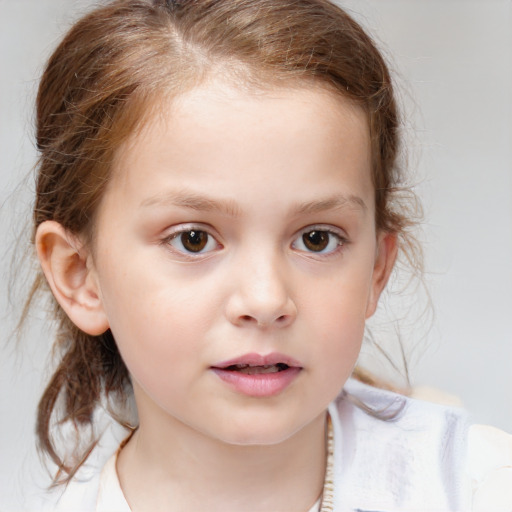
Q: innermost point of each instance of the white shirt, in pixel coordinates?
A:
(425, 459)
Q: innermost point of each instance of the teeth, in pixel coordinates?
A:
(252, 370)
(255, 370)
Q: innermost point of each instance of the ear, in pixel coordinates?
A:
(68, 268)
(384, 261)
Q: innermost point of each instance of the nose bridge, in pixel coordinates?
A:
(262, 293)
(268, 277)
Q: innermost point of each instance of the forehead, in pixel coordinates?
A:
(223, 133)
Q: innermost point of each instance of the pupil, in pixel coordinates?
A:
(316, 240)
(194, 241)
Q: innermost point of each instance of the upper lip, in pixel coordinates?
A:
(254, 359)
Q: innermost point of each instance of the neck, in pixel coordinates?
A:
(178, 468)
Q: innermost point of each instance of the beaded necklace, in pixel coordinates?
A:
(327, 501)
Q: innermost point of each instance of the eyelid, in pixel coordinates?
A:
(189, 226)
(323, 227)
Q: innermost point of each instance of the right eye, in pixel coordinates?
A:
(192, 241)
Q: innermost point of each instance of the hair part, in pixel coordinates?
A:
(109, 76)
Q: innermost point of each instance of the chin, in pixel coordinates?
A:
(259, 432)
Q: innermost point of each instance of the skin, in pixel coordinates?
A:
(254, 173)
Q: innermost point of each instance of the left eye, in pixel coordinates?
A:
(193, 241)
(318, 241)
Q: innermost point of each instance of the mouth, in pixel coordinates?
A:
(268, 363)
(258, 369)
(258, 375)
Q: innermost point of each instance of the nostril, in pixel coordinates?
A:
(265, 319)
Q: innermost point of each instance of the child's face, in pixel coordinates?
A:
(239, 229)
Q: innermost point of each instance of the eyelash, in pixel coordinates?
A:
(340, 241)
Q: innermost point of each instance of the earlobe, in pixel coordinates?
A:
(68, 270)
(384, 261)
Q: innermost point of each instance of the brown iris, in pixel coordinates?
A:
(194, 241)
(316, 241)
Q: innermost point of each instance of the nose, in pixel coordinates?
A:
(261, 294)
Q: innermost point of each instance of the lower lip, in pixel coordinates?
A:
(259, 384)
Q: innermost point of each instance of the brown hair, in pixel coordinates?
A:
(102, 82)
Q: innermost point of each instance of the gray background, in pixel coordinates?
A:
(453, 59)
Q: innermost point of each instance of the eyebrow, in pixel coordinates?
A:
(229, 207)
(336, 202)
(193, 201)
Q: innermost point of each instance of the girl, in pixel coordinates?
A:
(218, 210)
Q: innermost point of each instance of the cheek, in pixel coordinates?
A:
(156, 319)
(158, 350)
(340, 345)
(337, 313)
(335, 343)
